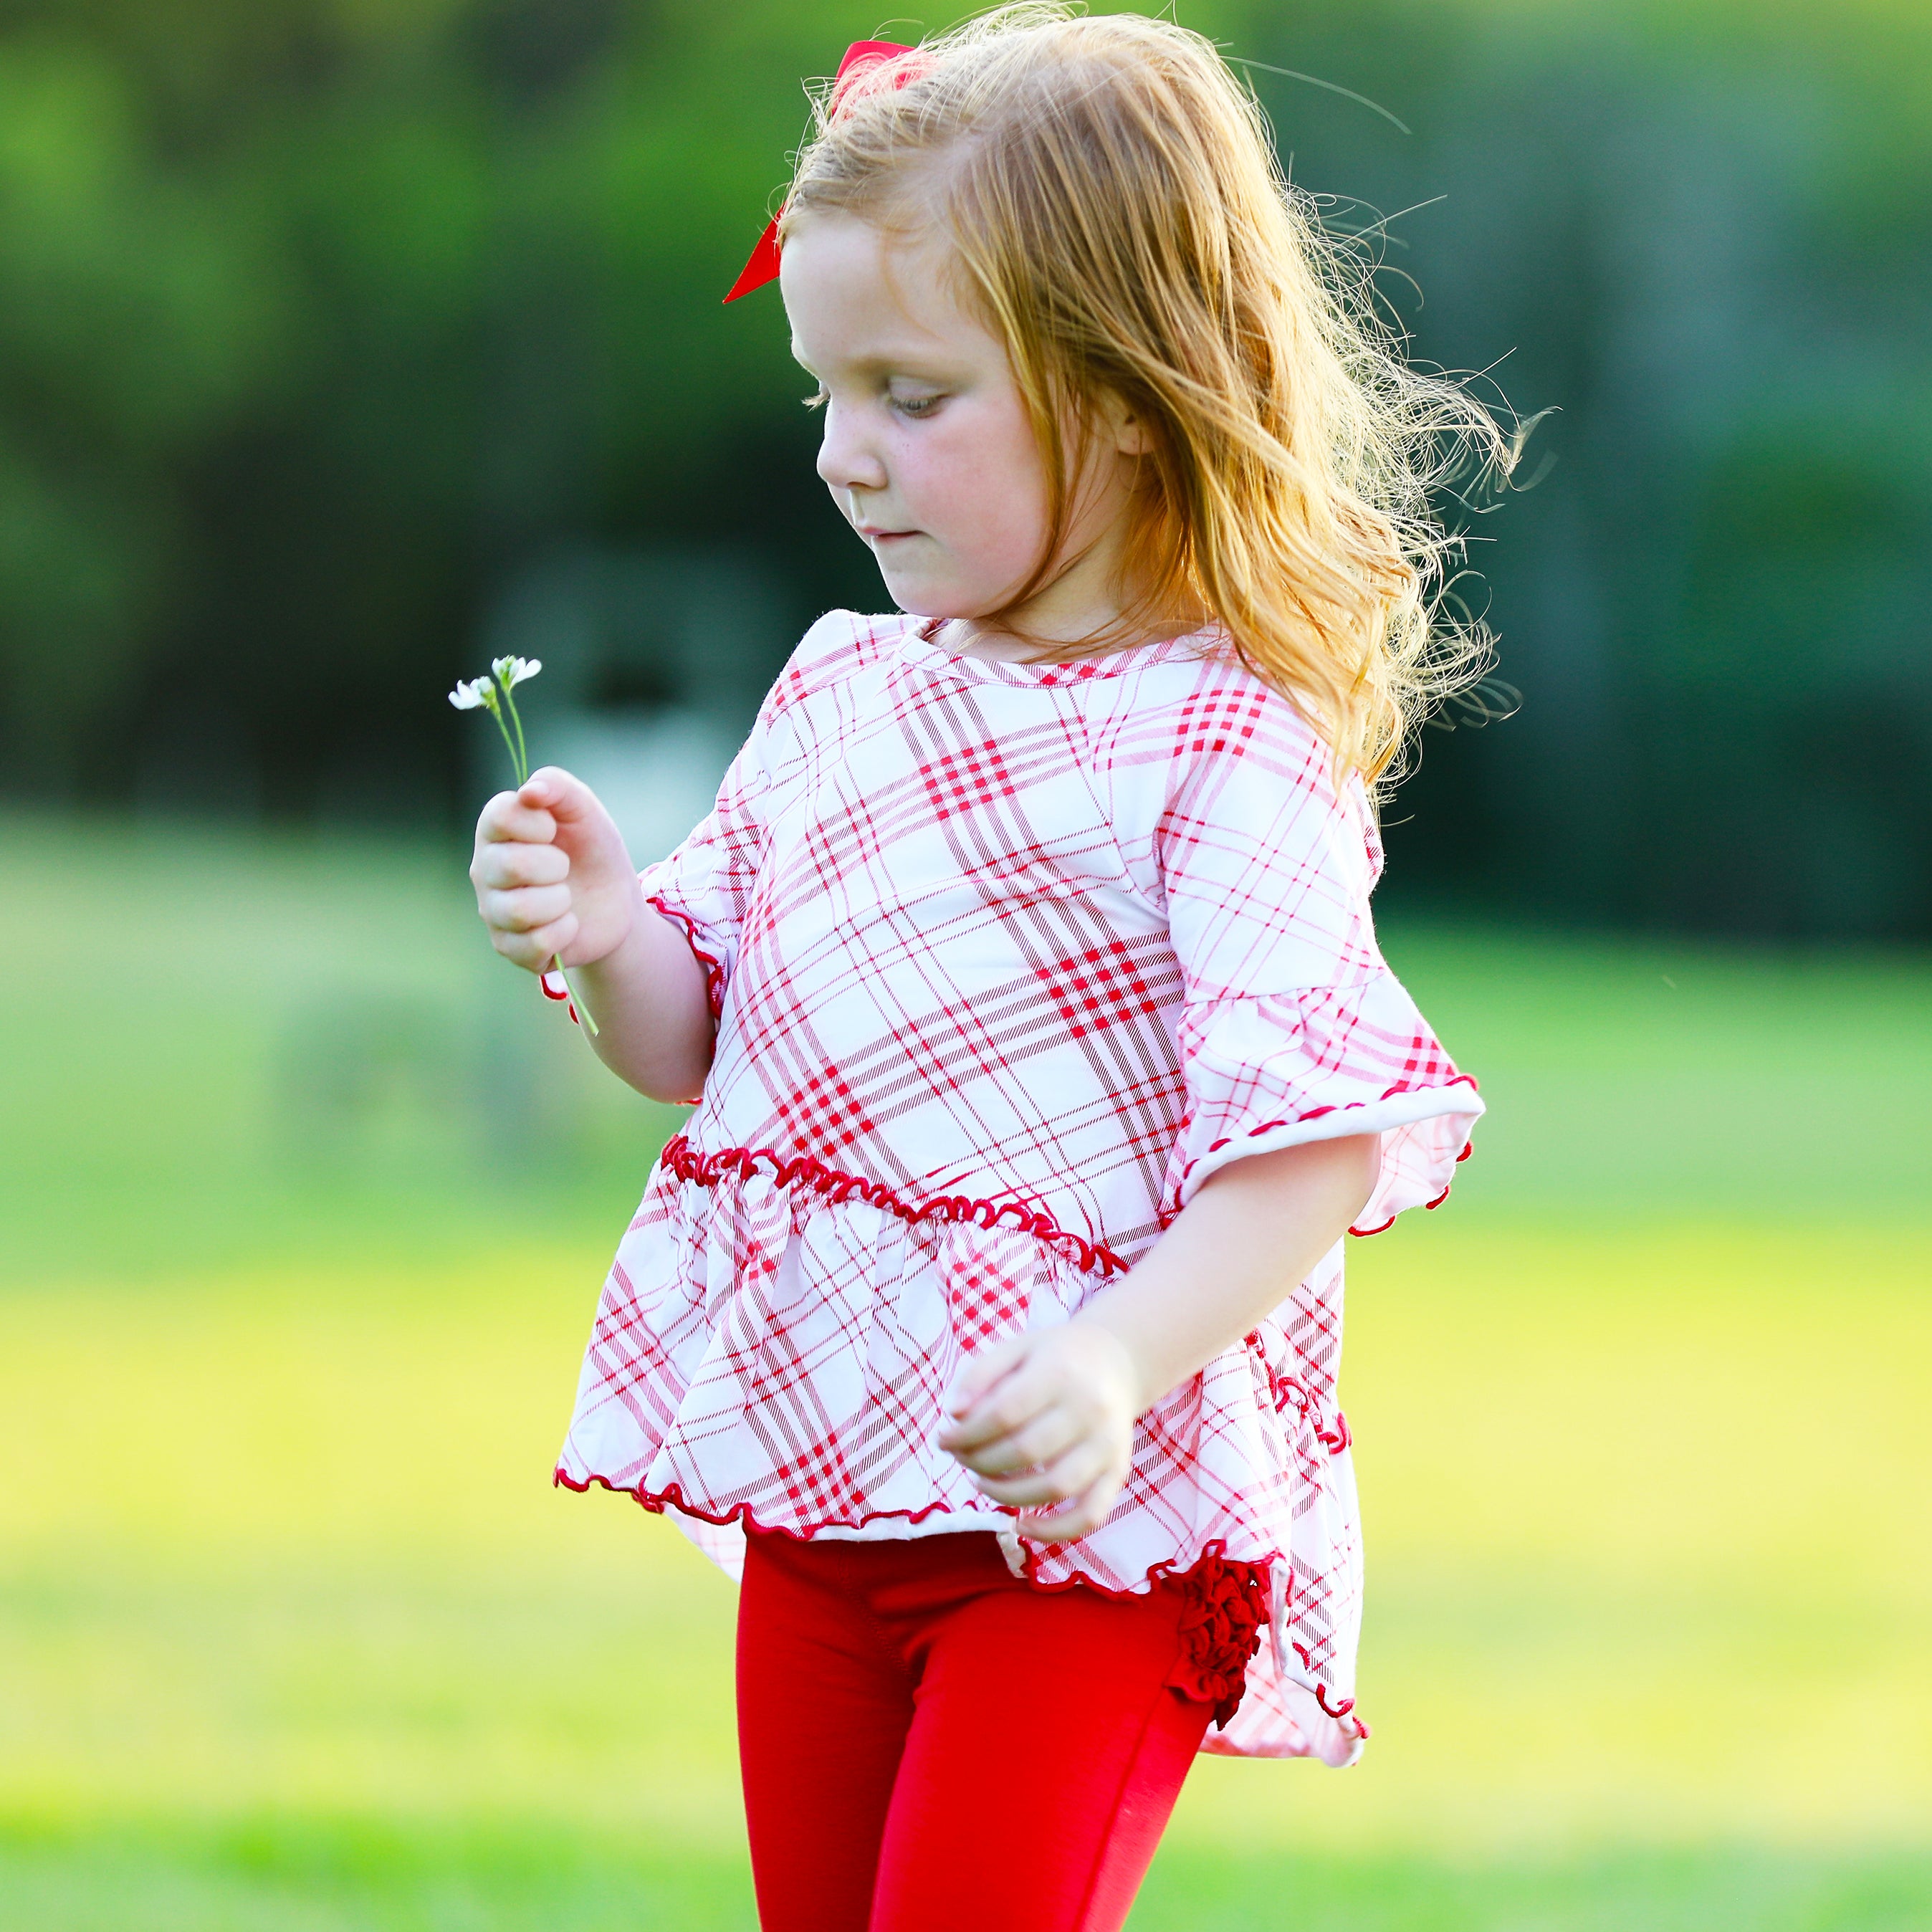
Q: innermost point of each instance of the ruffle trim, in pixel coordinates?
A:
(1342, 1711)
(739, 1516)
(1229, 1598)
(714, 967)
(1169, 1216)
(1286, 1392)
(680, 1158)
(1383, 1227)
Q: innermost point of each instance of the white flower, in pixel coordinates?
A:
(473, 694)
(514, 670)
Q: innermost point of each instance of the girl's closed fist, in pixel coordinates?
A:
(552, 876)
(1045, 1421)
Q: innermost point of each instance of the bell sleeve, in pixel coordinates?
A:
(1292, 1027)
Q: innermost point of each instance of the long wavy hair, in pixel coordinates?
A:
(1120, 222)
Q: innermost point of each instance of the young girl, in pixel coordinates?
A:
(987, 1311)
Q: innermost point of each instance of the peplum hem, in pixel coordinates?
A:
(1229, 1662)
(773, 1345)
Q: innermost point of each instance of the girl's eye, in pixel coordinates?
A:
(917, 406)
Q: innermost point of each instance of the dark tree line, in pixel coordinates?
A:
(322, 327)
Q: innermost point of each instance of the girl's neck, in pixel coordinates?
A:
(1079, 612)
(965, 637)
(976, 637)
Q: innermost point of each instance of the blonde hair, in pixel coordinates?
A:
(1120, 220)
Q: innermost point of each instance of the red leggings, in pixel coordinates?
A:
(930, 1744)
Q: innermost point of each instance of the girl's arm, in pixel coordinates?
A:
(553, 880)
(1045, 1420)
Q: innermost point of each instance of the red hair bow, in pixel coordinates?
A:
(763, 265)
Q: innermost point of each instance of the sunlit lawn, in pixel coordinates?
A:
(301, 1243)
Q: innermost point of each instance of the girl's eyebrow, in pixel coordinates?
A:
(875, 368)
(920, 367)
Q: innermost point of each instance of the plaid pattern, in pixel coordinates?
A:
(1006, 960)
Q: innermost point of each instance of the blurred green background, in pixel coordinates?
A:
(342, 344)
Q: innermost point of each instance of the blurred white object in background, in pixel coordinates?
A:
(657, 772)
(655, 661)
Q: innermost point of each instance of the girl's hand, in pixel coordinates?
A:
(1046, 1421)
(553, 879)
(1047, 1418)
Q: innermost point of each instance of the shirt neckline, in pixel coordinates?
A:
(919, 646)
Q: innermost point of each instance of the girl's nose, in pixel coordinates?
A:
(848, 460)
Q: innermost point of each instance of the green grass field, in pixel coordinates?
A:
(304, 1210)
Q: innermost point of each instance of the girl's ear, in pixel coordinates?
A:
(1121, 428)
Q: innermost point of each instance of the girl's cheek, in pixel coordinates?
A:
(995, 538)
(996, 497)
(1018, 525)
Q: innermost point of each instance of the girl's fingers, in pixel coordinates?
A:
(1080, 1516)
(1013, 1402)
(1020, 1492)
(534, 951)
(551, 788)
(983, 1372)
(508, 816)
(1068, 1475)
(503, 866)
(580, 821)
(1031, 1447)
(525, 908)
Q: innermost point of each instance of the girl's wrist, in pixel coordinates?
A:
(630, 943)
(1143, 1374)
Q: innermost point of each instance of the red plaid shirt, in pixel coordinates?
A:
(1006, 960)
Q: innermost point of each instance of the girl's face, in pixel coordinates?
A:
(929, 449)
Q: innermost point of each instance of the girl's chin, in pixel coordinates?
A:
(920, 599)
(919, 595)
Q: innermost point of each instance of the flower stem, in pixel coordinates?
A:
(520, 763)
(576, 998)
(517, 763)
(521, 753)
